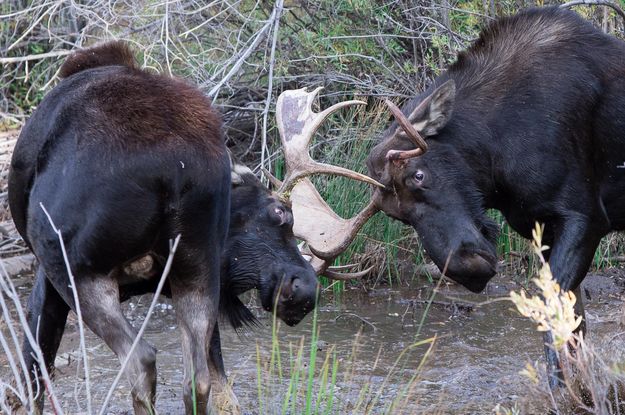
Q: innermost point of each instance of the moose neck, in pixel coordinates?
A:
(471, 140)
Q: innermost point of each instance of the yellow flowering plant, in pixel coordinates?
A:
(553, 310)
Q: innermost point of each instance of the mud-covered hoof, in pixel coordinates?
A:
(222, 400)
(14, 403)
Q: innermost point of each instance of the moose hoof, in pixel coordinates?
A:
(224, 401)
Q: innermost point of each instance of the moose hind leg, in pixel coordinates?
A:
(47, 314)
(196, 304)
(222, 398)
(102, 313)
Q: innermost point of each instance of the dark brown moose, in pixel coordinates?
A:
(527, 121)
(124, 160)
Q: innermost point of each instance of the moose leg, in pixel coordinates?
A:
(196, 304)
(554, 366)
(579, 310)
(102, 313)
(222, 399)
(569, 259)
(47, 314)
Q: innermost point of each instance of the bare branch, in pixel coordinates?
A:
(35, 57)
(81, 325)
(235, 68)
(277, 13)
(606, 3)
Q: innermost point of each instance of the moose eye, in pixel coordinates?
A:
(279, 211)
(280, 215)
(419, 176)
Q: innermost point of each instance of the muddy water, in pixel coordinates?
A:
(473, 365)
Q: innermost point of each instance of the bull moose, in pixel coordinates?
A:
(527, 121)
(124, 160)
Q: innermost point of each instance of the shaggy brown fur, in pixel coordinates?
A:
(110, 53)
(137, 108)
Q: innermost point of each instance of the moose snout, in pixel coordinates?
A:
(472, 267)
(298, 295)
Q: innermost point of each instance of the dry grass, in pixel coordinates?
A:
(594, 380)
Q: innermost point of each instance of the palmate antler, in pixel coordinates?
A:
(327, 234)
(297, 124)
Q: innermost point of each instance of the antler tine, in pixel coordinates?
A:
(297, 124)
(399, 155)
(346, 276)
(408, 128)
(323, 168)
(312, 120)
(322, 266)
(272, 179)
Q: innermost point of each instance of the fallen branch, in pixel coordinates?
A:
(455, 305)
(358, 317)
(17, 59)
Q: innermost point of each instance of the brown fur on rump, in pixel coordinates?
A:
(114, 52)
(150, 108)
(135, 107)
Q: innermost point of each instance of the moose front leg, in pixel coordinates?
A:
(579, 310)
(554, 366)
(569, 259)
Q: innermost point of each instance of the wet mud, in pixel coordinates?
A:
(481, 344)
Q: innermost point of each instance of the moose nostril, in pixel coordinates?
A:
(295, 283)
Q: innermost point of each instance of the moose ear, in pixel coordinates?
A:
(235, 178)
(238, 171)
(434, 111)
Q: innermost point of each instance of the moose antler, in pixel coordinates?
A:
(325, 232)
(397, 156)
(321, 266)
(297, 124)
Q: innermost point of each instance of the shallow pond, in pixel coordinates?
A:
(481, 344)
